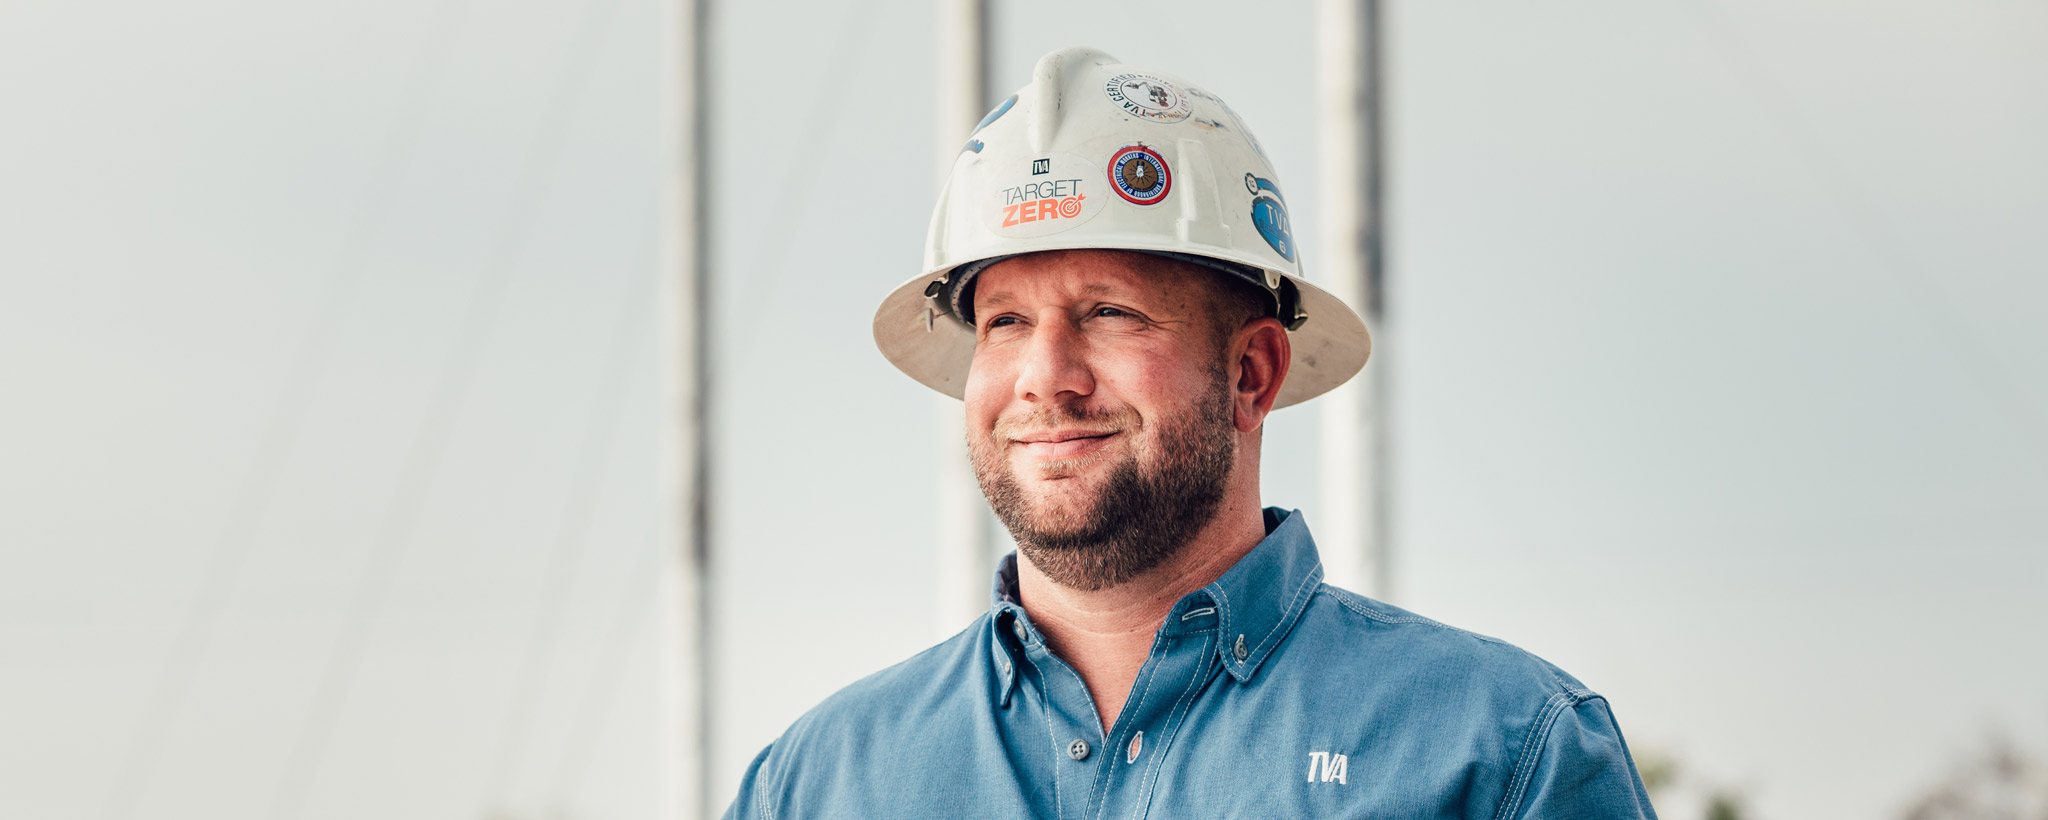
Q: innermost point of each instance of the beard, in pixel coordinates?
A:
(1151, 504)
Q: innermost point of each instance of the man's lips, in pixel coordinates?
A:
(1062, 443)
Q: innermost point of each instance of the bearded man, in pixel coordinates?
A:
(1120, 317)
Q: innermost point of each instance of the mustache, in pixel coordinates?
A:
(1053, 417)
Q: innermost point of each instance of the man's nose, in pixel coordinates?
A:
(1055, 363)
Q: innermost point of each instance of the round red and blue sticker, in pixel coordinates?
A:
(1139, 175)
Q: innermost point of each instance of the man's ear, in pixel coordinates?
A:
(1263, 354)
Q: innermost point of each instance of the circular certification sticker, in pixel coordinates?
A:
(1139, 175)
(1147, 97)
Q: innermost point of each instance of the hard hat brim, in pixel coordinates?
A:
(925, 341)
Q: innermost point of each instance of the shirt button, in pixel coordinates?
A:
(1022, 633)
(1078, 749)
(1240, 651)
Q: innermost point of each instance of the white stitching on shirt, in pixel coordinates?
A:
(1085, 694)
(1308, 584)
(1346, 597)
(1223, 599)
(1173, 719)
(1058, 806)
(1532, 751)
(1161, 645)
(1313, 579)
(1569, 696)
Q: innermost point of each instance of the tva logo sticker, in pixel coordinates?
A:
(1269, 215)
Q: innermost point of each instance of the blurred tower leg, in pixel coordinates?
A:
(683, 443)
(1352, 519)
(966, 554)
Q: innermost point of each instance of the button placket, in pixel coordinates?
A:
(1187, 663)
(1008, 684)
(1069, 726)
(1181, 663)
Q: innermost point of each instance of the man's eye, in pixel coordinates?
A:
(1110, 311)
(1001, 321)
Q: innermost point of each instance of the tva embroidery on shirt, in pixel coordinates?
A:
(1327, 766)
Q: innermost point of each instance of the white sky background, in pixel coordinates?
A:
(327, 345)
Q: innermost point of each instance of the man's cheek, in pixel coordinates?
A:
(985, 395)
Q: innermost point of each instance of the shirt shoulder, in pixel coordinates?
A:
(1420, 686)
(1422, 650)
(1455, 707)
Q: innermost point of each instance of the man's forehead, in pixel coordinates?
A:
(1075, 273)
(996, 293)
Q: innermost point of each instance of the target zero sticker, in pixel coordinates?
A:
(1139, 175)
(1053, 194)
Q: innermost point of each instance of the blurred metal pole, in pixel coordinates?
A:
(966, 554)
(683, 443)
(1352, 519)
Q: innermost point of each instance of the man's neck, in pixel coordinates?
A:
(1106, 634)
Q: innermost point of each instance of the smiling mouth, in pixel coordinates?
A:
(1063, 443)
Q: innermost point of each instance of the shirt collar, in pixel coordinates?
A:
(1008, 627)
(1257, 601)
(1261, 597)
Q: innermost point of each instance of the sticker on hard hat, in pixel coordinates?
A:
(1269, 215)
(1140, 175)
(1050, 196)
(994, 114)
(1147, 97)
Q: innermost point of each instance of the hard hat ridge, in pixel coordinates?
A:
(1046, 92)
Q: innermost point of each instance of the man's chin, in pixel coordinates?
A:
(1058, 513)
(1063, 491)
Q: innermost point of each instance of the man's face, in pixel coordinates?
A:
(1099, 413)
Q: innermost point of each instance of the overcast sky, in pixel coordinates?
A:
(1715, 349)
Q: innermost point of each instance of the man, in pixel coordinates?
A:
(1111, 285)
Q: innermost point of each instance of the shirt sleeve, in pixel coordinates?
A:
(748, 804)
(1582, 770)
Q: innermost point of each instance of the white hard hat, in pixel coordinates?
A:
(1097, 154)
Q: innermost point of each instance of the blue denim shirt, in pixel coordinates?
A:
(1266, 694)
